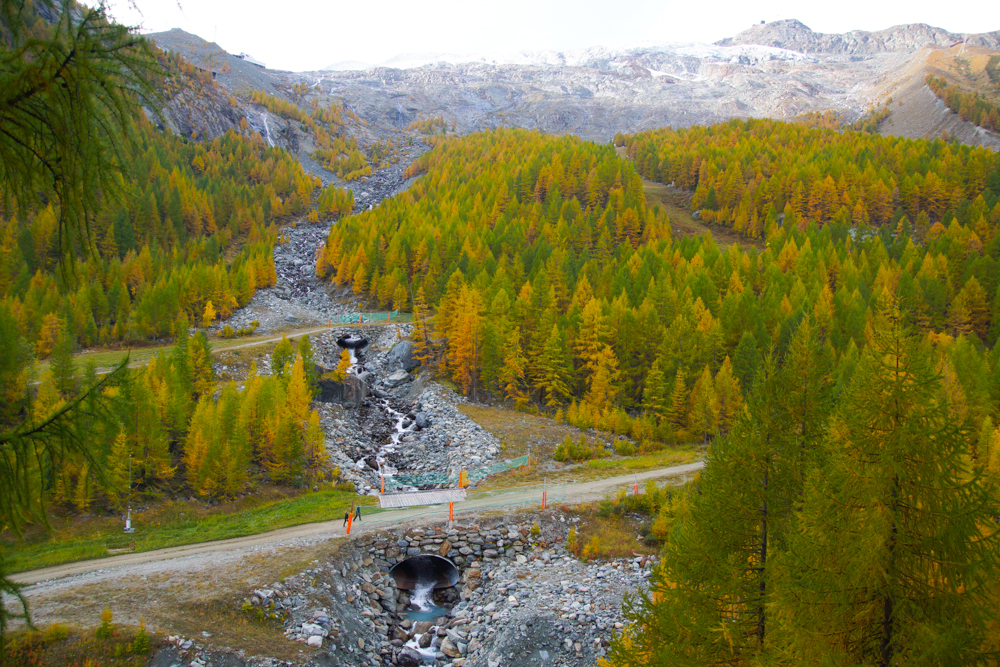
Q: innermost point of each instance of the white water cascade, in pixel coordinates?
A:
(421, 599)
(267, 130)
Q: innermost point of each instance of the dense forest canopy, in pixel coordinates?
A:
(196, 226)
(746, 174)
(554, 281)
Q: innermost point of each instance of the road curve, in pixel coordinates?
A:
(568, 494)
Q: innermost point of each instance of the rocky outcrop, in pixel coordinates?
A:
(795, 36)
(401, 357)
(352, 391)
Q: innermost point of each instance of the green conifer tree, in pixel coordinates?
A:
(282, 357)
(894, 559)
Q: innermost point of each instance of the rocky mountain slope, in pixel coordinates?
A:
(793, 35)
(779, 70)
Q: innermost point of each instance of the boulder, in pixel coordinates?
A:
(408, 658)
(312, 629)
(421, 420)
(315, 640)
(398, 378)
(351, 391)
(401, 357)
(449, 649)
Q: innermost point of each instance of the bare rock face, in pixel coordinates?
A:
(795, 36)
(352, 391)
(772, 70)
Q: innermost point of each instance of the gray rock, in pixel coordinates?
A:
(408, 658)
(398, 378)
(422, 420)
(401, 357)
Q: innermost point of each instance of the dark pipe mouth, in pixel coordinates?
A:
(352, 342)
(423, 569)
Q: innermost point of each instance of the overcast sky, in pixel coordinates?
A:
(304, 35)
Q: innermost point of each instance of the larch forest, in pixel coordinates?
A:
(836, 366)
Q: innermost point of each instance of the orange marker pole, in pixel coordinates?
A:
(330, 323)
(544, 504)
(636, 489)
(338, 318)
(383, 483)
(350, 520)
(451, 511)
(388, 317)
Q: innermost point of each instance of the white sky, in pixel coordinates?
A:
(302, 35)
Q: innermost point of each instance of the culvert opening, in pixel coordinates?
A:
(422, 576)
(352, 342)
(424, 570)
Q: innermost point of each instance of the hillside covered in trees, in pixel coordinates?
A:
(846, 375)
(555, 283)
(196, 227)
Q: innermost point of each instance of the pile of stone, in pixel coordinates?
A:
(522, 599)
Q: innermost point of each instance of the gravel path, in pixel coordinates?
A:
(210, 552)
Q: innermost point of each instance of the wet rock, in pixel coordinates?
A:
(408, 658)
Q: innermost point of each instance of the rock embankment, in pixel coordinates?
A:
(522, 598)
(413, 427)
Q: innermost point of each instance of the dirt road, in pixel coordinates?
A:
(493, 500)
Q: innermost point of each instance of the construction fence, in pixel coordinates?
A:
(545, 495)
(370, 318)
(457, 477)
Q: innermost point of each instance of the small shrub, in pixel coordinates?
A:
(140, 644)
(55, 632)
(578, 451)
(625, 448)
(536, 530)
(106, 629)
(593, 548)
(571, 540)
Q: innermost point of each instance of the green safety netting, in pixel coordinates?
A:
(436, 478)
(494, 468)
(365, 318)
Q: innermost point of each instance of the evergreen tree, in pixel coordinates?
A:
(603, 390)
(677, 411)
(727, 395)
(894, 558)
(202, 372)
(63, 367)
(553, 370)
(654, 395)
(305, 350)
(708, 601)
(703, 407)
(513, 372)
(282, 357)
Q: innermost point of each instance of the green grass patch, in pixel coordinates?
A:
(176, 524)
(664, 459)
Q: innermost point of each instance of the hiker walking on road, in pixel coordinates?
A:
(357, 512)
(347, 515)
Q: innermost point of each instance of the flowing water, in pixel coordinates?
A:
(422, 608)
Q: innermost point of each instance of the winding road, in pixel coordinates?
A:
(496, 499)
